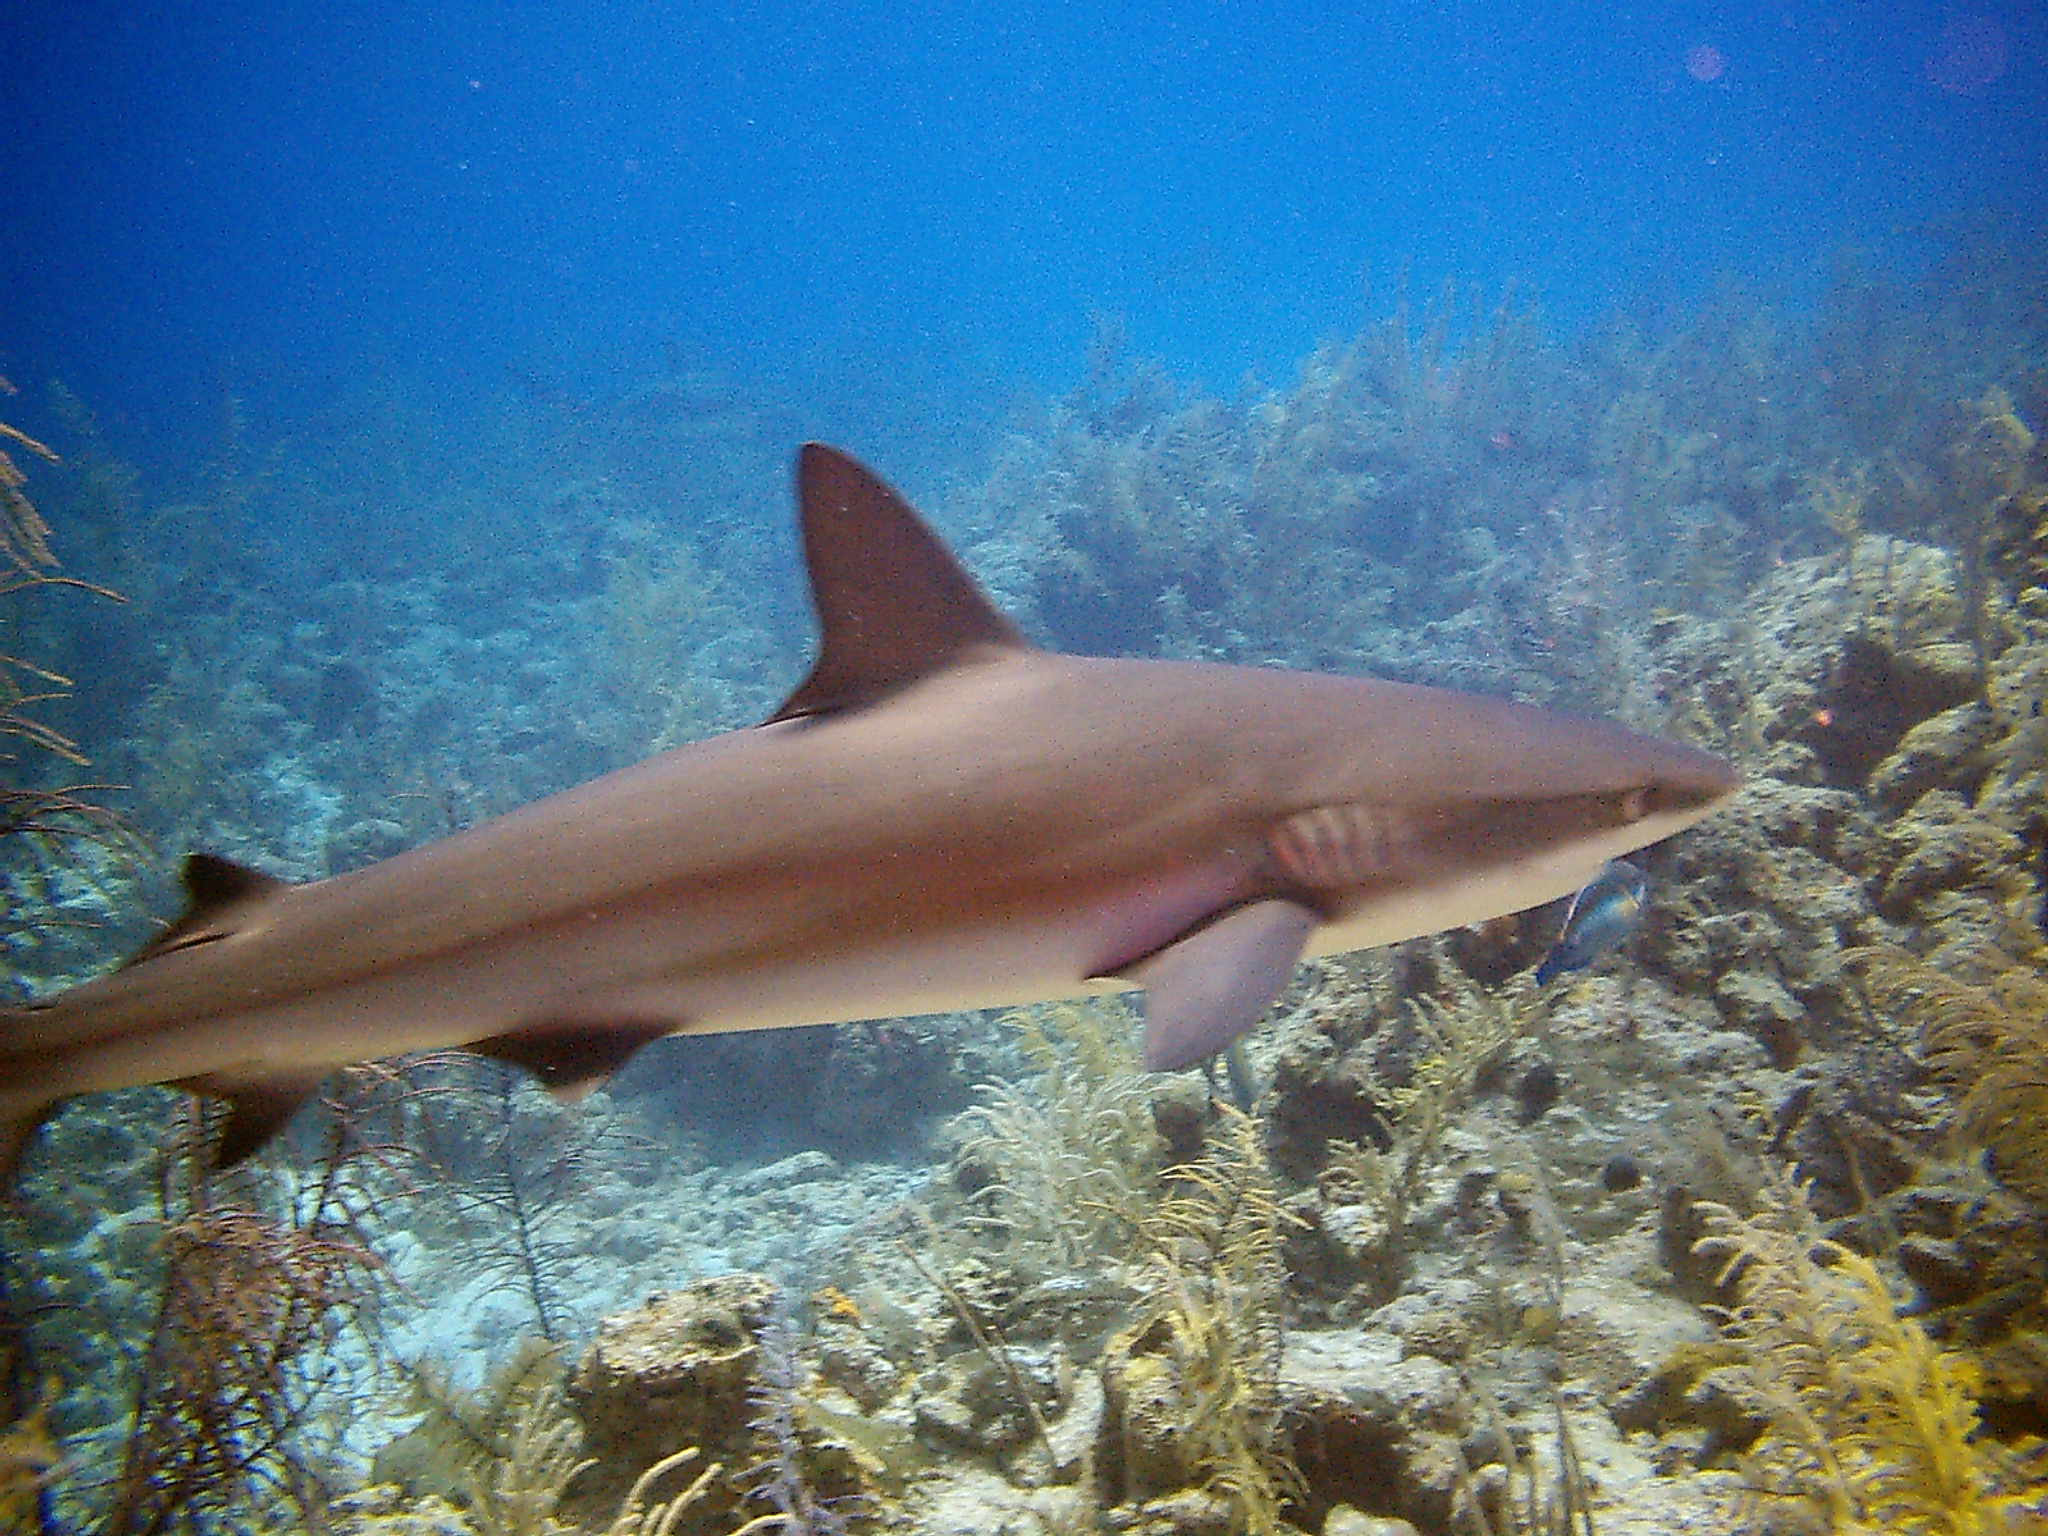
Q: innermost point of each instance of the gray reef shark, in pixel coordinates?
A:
(942, 816)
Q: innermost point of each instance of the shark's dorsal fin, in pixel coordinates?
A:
(215, 890)
(893, 604)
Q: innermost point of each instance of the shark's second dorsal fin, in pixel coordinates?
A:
(893, 604)
(215, 890)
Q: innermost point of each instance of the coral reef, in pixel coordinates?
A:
(1447, 1276)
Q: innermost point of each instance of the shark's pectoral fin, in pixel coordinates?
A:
(570, 1059)
(1204, 990)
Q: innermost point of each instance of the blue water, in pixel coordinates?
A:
(428, 377)
(887, 209)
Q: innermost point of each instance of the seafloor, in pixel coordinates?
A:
(1742, 1227)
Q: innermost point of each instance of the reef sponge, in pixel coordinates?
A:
(1872, 1426)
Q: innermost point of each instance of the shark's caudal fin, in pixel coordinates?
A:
(893, 604)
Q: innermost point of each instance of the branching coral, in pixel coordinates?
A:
(510, 1451)
(47, 815)
(24, 536)
(462, 1437)
(2002, 464)
(520, 1162)
(640, 1517)
(1462, 1035)
(683, 657)
(782, 1480)
(518, 1492)
(1872, 1426)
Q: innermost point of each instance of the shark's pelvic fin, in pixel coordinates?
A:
(573, 1056)
(1204, 990)
(258, 1108)
(893, 604)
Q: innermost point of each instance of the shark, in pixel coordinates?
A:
(942, 816)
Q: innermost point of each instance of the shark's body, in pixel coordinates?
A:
(942, 816)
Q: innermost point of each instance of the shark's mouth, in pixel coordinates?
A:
(1338, 858)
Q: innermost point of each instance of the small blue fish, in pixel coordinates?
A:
(1605, 912)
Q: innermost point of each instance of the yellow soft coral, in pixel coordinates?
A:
(1872, 1426)
(27, 1458)
(1988, 1041)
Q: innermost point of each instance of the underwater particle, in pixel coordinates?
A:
(1620, 1173)
(1537, 1090)
(1969, 55)
(1705, 63)
(1603, 914)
